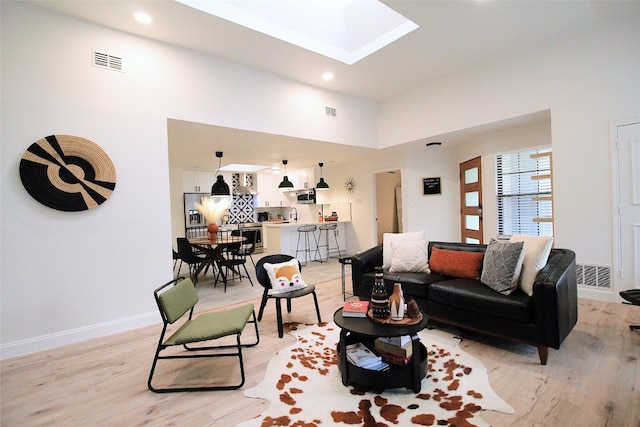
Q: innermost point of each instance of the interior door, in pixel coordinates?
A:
(471, 201)
(386, 202)
(628, 148)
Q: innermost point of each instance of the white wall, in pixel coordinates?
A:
(585, 82)
(70, 276)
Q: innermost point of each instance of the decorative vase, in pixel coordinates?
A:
(379, 297)
(213, 231)
(396, 302)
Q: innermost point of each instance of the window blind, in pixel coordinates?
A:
(524, 193)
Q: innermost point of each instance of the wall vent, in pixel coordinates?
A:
(594, 276)
(104, 60)
(330, 112)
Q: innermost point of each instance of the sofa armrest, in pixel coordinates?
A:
(555, 294)
(364, 262)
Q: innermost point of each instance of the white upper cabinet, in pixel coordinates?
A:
(305, 178)
(197, 182)
(269, 195)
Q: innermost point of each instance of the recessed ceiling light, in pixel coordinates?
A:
(327, 76)
(142, 18)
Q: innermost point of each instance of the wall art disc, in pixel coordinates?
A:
(67, 173)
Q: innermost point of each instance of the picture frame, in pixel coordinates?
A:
(431, 186)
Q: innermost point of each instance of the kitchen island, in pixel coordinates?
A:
(282, 237)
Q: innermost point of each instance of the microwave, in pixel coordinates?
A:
(306, 197)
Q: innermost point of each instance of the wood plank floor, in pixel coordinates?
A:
(593, 380)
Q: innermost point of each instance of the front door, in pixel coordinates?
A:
(628, 147)
(471, 201)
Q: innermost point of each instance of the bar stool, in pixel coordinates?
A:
(305, 230)
(326, 228)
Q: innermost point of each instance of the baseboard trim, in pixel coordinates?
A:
(59, 339)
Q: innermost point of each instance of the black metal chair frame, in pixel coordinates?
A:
(633, 298)
(192, 351)
(263, 279)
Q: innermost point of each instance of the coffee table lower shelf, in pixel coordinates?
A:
(395, 377)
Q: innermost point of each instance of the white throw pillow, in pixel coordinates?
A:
(284, 277)
(412, 256)
(387, 238)
(536, 253)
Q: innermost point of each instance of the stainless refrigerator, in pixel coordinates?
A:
(194, 221)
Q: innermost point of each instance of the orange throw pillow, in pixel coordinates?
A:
(465, 265)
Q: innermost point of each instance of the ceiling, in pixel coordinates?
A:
(453, 36)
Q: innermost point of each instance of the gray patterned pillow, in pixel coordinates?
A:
(502, 265)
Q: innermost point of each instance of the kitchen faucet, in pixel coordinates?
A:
(293, 211)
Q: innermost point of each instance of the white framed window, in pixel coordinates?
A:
(524, 193)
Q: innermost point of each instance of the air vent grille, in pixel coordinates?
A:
(104, 60)
(330, 112)
(594, 276)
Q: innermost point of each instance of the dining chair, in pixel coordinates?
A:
(177, 298)
(263, 279)
(230, 264)
(248, 247)
(191, 258)
(176, 258)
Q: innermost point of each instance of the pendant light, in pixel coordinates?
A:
(285, 181)
(220, 188)
(321, 184)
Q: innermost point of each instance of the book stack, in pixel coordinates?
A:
(395, 350)
(359, 355)
(355, 308)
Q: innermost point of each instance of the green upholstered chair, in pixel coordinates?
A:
(177, 298)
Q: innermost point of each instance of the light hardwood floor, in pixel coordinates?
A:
(593, 380)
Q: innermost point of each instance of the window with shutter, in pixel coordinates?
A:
(525, 202)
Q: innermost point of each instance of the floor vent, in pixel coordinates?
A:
(594, 276)
(104, 60)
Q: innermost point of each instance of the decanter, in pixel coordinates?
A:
(379, 297)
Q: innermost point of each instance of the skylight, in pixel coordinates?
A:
(236, 167)
(345, 30)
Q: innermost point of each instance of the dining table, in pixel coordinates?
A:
(214, 248)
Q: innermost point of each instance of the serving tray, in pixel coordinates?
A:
(389, 321)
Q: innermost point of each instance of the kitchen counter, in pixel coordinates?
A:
(282, 237)
(285, 224)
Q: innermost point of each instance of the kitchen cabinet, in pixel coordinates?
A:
(269, 195)
(197, 182)
(305, 178)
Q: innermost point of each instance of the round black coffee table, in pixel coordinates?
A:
(365, 330)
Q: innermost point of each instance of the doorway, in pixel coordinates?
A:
(388, 187)
(471, 201)
(626, 147)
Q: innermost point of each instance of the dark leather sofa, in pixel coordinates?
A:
(543, 320)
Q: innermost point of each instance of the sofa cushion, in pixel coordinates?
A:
(536, 253)
(472, 295)
(501, 266)
(387, 238)
(461, 264)
(411, 257)
(413, 284)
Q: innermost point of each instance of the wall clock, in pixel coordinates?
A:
(350, 185)
(67, 173)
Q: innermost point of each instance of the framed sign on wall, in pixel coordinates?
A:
(431, 186)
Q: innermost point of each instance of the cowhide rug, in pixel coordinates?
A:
(304, 387)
